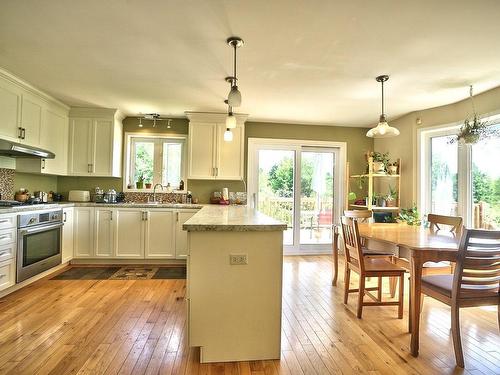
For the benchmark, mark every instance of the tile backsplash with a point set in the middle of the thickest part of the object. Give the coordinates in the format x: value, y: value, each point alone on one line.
x: 160, y: 197
x: 7, y: 183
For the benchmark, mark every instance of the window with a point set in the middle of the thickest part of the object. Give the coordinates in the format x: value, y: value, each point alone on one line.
x: 157, y: 159
x: 458, y: 179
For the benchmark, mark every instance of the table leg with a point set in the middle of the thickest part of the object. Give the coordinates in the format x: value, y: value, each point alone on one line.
x: 416, y: 280
x: 335, y: 248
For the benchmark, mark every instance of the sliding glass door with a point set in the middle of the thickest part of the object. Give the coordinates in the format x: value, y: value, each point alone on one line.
x: 298, y: 183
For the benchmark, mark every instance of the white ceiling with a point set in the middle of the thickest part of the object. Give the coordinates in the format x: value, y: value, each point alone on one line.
x: 303, y: 61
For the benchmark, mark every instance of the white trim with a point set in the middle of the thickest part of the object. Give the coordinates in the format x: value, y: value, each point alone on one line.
x: 298, y: 145
x: 214, y: 117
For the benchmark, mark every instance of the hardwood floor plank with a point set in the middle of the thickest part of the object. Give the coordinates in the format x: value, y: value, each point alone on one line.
x: 98, y: 327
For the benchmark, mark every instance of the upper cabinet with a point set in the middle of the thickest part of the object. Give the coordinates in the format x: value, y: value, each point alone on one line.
x: 210, y: 157
x: 95, y: 142
x: 10, y: 110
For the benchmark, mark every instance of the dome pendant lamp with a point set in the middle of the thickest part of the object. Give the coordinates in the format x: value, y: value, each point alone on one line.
x: 382, y: 130
x: 234, y: 96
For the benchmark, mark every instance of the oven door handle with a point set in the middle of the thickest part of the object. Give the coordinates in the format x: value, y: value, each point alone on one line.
x: 40, y: 229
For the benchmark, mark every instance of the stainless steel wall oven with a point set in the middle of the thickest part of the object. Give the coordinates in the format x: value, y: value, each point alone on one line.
x: 39, y: 241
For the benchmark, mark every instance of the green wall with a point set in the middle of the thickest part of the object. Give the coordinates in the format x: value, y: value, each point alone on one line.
x: 357, y: 145
x: 35, y: 182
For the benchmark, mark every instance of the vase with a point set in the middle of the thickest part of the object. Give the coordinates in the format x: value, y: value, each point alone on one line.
x: 139, y: 185
x: 392, y: 169
x: 378, y: 167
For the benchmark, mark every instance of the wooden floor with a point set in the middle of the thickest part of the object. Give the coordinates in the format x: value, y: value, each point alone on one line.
x: 138, y: 327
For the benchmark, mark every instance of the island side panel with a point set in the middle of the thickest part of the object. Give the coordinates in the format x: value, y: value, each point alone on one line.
x: 234, y: 311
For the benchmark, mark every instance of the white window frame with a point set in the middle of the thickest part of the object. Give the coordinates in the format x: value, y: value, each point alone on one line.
x: 128, y: 157
x: 340, y: 150
x: 464, y: 168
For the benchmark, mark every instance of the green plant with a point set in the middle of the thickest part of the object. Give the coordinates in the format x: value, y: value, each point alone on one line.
x: 352, y: 196
x: 392, y: 195
x: 140, y: 178
x: 380, y: 157
x: 410, y: 215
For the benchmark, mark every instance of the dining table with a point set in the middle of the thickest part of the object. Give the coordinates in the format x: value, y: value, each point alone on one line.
x: 418, y: 245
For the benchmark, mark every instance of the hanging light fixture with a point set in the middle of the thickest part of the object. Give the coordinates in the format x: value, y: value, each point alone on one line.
x: 231, y: 118
x: 169, y: 124
x: 140, y: 122
x: 382, y: 130
x: 234, y: 96
x: 228, y: 135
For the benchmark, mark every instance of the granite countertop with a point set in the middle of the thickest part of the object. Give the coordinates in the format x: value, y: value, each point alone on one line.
x: 232, y: 218
x: 41, y: 207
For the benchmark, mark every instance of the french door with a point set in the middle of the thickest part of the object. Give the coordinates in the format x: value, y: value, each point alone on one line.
x: 299, y: 183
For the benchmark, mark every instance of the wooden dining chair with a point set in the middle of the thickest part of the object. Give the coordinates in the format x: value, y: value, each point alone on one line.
x: 475, y: 282
x: 365, y: 267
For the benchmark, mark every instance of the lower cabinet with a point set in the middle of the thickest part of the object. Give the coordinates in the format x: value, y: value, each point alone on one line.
x: 159, y: 234
x: 83, y: 234
x: 68, y: 234
x: 181, y: 247
x: 103, y: 233
x: 130, y: 233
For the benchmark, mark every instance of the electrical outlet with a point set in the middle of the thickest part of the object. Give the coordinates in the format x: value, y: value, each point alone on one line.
x: 238, y: 259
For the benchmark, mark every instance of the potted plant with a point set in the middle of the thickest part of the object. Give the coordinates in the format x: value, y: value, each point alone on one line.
x: 380, y: 160
x: 139, y: 184
x: 148, y: 185
x: 410, y: 215
x: 392, y: 167
x: 391, y: 198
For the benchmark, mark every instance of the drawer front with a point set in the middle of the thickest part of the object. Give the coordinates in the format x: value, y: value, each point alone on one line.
x: 7, y: 252
x: 7, y: 236
x: 7, y: 274
x: 8, y: 221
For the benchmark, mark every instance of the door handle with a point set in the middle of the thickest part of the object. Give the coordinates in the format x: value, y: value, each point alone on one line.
x: 3, y: 253
x: 4, y: 221
x: 4, y: 237
x: 111, y: 213
x: 177, y: 216
x: 23, y: 133
x: 43, y: 163
x: 65, y: 216
x: 20, y: 133
x: 2, y: 275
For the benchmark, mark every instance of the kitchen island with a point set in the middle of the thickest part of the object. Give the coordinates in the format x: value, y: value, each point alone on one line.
x: 234, y: 284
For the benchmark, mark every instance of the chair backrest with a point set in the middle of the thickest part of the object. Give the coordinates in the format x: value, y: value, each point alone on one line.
x: 454, y: 222
x: 352, y: 243
x: 478, y: 264
x: 362, y: 215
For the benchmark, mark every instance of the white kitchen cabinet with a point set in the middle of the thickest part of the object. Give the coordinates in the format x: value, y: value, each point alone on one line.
x: 95, y: 142
x: 10, y: 110
x: 54, y: 130
x: 210, y: 157
x: 67, y: 234
x: 31, y: 119
x: 181, y: 246
x: 159, y: 234
x: 129, y: 233
x: 84, y: 232
x: 7, y: 274
x: 103, y: 232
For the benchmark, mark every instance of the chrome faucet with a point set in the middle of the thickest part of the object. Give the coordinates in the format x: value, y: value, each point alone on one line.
x: 154, y: 191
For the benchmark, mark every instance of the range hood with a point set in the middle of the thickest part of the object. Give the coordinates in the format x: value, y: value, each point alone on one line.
x: 18, y: 150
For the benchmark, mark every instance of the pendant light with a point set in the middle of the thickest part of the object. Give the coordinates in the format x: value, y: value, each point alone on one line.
x: 140, y: 122
x: 228, y: 135
x: 234, y: 96
x: 382, y: 130
x: 231, y: 118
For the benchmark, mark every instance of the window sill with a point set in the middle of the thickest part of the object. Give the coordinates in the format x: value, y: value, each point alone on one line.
x: 150, y: 191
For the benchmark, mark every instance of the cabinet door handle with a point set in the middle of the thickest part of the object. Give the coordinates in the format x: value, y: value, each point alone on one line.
x: 89, y: 170
x: 4, y: 237
x: 111, y: 213
x: 3, y: 253
x: 23, y: 133
x: 92, y: 169
x: 2, y: 275
x: 43, y: 163
x: 176, y: 216
x: 4, y: 221
x: 65, y: 217
x: 216, y: 171
x: 20, y: 133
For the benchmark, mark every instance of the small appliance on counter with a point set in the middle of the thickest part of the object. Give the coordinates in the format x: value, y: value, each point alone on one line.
x: 42, y: 196
x: 57, y: 197
x: 79, y: 196
x: 98, y: 195
x: 110, y: 196
x: 22, y: 195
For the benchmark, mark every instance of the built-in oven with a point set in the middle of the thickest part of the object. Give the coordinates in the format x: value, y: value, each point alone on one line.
x: 39, y: 241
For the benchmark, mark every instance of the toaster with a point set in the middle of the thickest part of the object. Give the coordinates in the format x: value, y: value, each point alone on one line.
x: 79, y: 196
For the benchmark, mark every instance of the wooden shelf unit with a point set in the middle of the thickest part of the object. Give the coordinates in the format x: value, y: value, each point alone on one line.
x: 371, y: 176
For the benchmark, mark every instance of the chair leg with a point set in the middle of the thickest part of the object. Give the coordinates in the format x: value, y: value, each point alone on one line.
x: 401, y: 296
x: 392, y: 286
x: 455, y: 332
x: 347, y: 279
x: 379, y: 294
x: 361, y: 295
